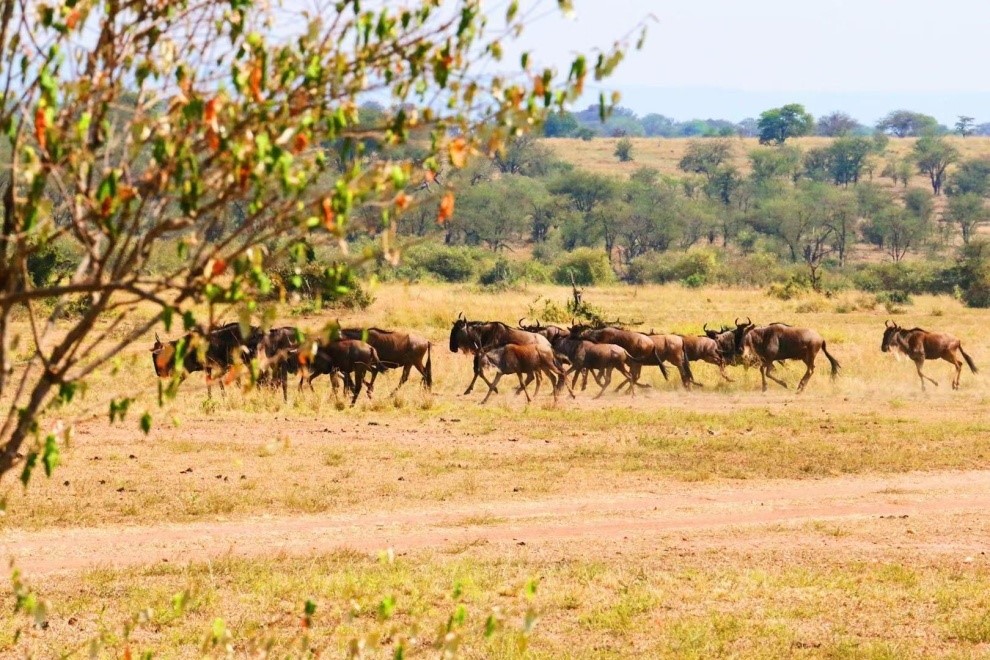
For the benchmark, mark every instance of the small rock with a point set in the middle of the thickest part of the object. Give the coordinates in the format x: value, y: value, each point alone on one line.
x: 65, y: 483
x: 132, y: 456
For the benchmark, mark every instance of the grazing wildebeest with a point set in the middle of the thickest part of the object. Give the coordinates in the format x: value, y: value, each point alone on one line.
x: 639, y: 346
x: 224, y: 348
x: 778, y: 342
x: 706, y: 349
x: 586, y: 356
x: 277, y: 357
x: 481, y: 336
x: 528, y: 360
x: 670, y: 348
x: 921, y: 345
x: 397, y: 349
x: 351, y: 357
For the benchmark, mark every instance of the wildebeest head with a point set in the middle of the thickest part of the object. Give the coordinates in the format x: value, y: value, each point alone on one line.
x: 459, y: 336
x: 163, y: 357
x: 740, y: 332
x: 889, y: 333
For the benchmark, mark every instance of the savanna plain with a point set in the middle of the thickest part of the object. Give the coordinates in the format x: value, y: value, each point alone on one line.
x: 847, y: 521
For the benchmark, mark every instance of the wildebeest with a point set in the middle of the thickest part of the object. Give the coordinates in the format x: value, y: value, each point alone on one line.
x: 778, y: 342
x: 706, y: 349
x: 670, y: 348
x: 725, y: 342
x: 549, y: 331
x: 224, y: 348
x: 277, y: 356
x: 921, y: 345
x: 351, y: 357
x: 586, y: 356
x: 528, y: 360
x: 639, y: 346
x: 481, y: 336
x: 397, y: 349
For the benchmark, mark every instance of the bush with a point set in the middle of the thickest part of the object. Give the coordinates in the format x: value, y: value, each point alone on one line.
x: 795, y: 287
x: 589, y: 267
x: 974, y: 274
x: 51, y: 262
x: 623, y: 150
x: 442, y: 262
x: 693, y: 268
x: 903, y: 278
x: 319, y: 285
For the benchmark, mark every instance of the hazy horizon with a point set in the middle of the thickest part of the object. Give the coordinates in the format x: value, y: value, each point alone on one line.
x: 731, y: 60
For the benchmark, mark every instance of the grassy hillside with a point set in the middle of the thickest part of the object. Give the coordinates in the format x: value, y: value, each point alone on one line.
x: 597, y: 155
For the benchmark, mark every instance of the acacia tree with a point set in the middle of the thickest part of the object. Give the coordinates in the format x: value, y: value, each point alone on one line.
x: 933, y: 155
x: 130, y: 122
x: 778, y: 124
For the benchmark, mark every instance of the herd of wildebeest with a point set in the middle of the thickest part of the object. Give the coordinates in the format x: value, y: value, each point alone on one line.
x: 529, y: 351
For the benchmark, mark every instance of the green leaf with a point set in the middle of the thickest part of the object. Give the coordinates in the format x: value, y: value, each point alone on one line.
x: 50, y: 457
x: 29, y: 462
x: 146, y: 423
x: 387, y: 607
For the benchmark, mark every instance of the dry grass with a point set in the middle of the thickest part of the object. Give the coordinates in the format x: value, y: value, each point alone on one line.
x: 652, y: 597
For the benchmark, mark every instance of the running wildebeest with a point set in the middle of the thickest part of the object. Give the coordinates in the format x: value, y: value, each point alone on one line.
x: 548, y: 331
x: 351, y: 357
x: 725, y: 342
x: 586, y: 356
x: 670, y: 348
x: 397, y: 349
x: 921, y: 345
x: 224, y: 348
x: 778, y: 342
x: 639, y: 346
x: 521, y: 359
x: 478, y: 337
x: 704, y: 349
x: 278, y: 356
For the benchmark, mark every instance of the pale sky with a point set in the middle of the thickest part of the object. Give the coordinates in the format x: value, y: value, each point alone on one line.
x: 868, y: 54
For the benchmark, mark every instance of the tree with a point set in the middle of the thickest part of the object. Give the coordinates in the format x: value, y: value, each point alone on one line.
x: 560, y: 124
x: 847, y: 157
x: 933, y: 155
x: 778, y: 124
x: 971, y: 177
x: 898, y: 229
x: 905, y: 123
x: 151, y: 121
x: 968, y: 211
x: 496, y: 213
x: 655, y: 125
x: 783, y: 162
x: 624, y: 150
x: 964, y: 126
x: 837, y: 124
x: 587, y: 192
x: 706, y: 156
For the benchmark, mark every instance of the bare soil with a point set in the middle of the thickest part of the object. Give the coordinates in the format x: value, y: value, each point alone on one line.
x: 716, y: 510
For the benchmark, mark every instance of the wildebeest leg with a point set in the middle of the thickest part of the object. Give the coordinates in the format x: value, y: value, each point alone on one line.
x: 919, y: 362
x: 766, y: 369
x: 721, y: 370
x: 951, y: 358
x: 608, y: 381
x: 492, y: 386
x: 522, y: 385
x: 405, y: 376
x: 807, y: 374
x: 624, y: 370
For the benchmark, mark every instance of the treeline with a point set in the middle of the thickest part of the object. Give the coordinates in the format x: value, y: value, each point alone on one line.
x: 816, y: 213
x: 623, y: 122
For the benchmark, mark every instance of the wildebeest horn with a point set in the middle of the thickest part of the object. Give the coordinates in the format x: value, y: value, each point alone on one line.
x: 157, y: 340
x: 704, y: 328
x: 460, y: 316
x: 888, y: 324
x: 748, y: 321
x: 538, y: 323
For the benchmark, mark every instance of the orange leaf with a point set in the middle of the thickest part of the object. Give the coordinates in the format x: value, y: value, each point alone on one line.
x: 402, y: 201
x: 40, y: 124
x: 72, y: 19
x: 329, y: 218
x: 243, y: 176
x: 210, y: 113
x: 458, y: 150
x: 300, y: 142
x: 446, y: 208
x: 213, y: 140
x: 430, y: 176
x: 219, y: 265
x: 254, y: 80
x: 127, y: 653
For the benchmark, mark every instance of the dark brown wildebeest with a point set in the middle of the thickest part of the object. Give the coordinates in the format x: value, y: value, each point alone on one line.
x: 586, y: 356
x: 215, y: 352
x: 478, y: 337
x: 398, y: 349
x: 639, y: 346
x: 351, y: 357
x: 670, y: 348
x: 278, y: 356
x: 778, y: 342
x: 725, y: 341
x: 706, y: 349
x: 921, y: 345
x: 528, y: 360
x: 549, y: 331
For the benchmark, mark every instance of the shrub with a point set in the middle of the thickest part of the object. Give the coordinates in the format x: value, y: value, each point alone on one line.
x: 905, y: 278
x: 974, y: 274
x: 445, y: 263
x: 321, y: 286
x: 51, y: 262
x: 693, y: 268
x: 795, y: 287
x: 588, y: 266
x: 623, y: 150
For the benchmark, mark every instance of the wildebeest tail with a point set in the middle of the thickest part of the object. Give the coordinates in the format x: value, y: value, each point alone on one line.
x: 429, y: 366
x: 969, y: 360
x: 663, y: 369
x: 831, y: 360
x: 686, y: 368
